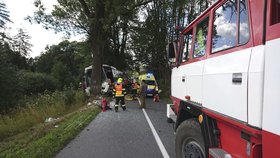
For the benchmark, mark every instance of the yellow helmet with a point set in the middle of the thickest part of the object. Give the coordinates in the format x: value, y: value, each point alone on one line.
x: 119, y: 80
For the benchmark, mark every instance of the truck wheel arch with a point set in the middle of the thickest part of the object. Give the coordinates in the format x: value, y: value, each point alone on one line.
x: 188, y: 140
x: 208, y: 132
x: 186, y: 111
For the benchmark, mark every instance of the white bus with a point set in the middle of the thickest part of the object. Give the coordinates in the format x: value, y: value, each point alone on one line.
x: 108, y: 75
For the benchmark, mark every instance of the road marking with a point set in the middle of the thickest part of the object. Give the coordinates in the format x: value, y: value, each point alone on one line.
x: 157, y: 138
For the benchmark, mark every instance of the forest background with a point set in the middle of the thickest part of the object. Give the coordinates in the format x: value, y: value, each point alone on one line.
x: 121, y: 33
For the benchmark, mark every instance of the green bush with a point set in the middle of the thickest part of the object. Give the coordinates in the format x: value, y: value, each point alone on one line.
x: 69, y: 97
x: 80, y: 96
x: 34, y: 83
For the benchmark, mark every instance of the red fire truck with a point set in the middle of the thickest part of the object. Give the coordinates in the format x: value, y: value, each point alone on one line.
x: 226, y: 82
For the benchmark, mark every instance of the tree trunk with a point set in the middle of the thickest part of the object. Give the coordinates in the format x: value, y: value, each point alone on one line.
x: 97, y: 50
x: 97, y: 41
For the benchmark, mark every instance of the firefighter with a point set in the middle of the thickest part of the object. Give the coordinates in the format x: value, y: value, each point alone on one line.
x: 142, y: 94
x: 119, y: 93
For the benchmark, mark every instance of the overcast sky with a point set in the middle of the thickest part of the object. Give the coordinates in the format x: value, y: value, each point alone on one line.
x: 40, y: 37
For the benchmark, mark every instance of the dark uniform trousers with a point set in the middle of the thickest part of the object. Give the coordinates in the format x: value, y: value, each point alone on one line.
x: 120, y: 101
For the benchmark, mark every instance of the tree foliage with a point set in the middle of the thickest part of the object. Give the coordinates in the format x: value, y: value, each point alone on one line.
x: 9, y: 89
x: 65, y: 62
x: 150, y: 36
x: 94, y: 19
x: 4, y: 18
x: 33, y: 83
x: 59, y: 66
x: 116, y: 33
x: 4, y: 15
x: 124, y: 33
x: 21, y: 43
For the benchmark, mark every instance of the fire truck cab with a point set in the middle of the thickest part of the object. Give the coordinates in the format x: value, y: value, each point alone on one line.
x: 225, y: 82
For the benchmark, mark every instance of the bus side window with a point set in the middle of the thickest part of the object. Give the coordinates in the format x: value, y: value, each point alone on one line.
x: 187, y: 46
x: 201, y: 38
x: 275, y: 12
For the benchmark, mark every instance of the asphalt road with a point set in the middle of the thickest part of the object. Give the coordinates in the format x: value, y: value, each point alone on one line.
x: 125, y: 134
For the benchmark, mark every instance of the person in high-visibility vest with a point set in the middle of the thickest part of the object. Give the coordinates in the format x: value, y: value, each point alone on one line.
x: 119, y: 93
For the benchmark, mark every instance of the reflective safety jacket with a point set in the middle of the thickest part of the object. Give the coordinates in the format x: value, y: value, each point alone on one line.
x: 119, y: 90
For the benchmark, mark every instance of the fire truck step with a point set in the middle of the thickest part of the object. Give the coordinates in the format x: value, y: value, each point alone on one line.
x: 219, y: 153
x: 171, y: 116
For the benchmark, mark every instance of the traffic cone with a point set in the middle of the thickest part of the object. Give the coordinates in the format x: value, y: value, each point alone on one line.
x: 156, y: 98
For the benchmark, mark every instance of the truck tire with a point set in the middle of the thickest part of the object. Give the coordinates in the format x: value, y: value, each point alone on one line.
x: 189, y: 141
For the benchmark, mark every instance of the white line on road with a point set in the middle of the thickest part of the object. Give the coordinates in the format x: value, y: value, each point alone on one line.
x: 159, y: 142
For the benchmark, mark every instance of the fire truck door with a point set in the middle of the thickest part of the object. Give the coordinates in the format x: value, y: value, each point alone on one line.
x: 178, y: 83
x: 193, y: 77
x: 225, y: 84
x: 271, y: 108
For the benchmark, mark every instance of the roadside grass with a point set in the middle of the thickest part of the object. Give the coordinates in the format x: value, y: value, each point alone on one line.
x: 38, y: 109
x: 45, y: 140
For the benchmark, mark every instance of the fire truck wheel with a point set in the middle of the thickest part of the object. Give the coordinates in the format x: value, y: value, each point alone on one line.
x: 189, y: 140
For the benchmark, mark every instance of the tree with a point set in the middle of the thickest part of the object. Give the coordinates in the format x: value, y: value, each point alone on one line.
x: 21, y: 43
x: 181, y: 13
x: 65, y: 61
x: 93, y: 18
x: 14, y: 58
x: 150, y: 37
x: 149, y: 40
x: 9, y: 88
x: 4, y: 18
x: 62, y: 74
x: 4, y: 15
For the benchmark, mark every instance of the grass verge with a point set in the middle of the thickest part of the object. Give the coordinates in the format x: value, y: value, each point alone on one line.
x: 37, y: 109
x: 45, y: 140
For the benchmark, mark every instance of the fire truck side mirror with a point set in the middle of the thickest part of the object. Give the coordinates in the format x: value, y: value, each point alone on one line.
x: 171, y: 53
